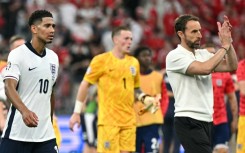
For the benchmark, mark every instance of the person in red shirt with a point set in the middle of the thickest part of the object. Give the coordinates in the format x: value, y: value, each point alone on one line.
x: 241, y: 123
x: 223, y: 87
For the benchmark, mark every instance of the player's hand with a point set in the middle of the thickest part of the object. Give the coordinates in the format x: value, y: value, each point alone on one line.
x: 225, y: 32
x: 155, y: 101
x: 30, y: 118
x: 151, y: 104
x: 75, y: 119
x: 156, y: 104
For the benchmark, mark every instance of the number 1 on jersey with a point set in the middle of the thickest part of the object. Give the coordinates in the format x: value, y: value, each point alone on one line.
x: 124, y: 82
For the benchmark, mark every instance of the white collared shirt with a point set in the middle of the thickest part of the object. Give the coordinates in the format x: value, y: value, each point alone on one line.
x: 193, y: 93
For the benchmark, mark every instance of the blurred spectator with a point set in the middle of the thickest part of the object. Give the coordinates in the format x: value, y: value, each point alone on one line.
x: 68, y: 13
x: 168, y: 20
x: 81, y: 30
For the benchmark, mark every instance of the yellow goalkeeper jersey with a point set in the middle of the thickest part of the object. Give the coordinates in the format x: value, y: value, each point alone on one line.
x: 116, y: 80
x: 152, y: 85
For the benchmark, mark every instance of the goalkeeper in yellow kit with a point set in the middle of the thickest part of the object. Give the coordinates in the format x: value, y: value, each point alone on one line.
x: 116, y: 74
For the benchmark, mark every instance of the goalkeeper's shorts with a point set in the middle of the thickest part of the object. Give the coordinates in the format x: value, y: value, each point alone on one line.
x: 113, y: 139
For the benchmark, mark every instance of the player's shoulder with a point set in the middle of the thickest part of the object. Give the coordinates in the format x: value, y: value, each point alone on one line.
x: 102, y: 56
x: 19, y: 51
x: 131, y: 58
x: 174, y: 53
x: 51, y: 52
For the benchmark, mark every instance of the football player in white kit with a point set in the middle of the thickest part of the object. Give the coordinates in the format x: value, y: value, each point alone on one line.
x: 30, y: 76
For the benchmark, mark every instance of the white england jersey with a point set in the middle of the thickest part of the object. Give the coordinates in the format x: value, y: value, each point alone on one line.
x: 36, y: 75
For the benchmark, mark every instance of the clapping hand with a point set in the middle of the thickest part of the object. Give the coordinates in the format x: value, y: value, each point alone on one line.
x: 225, y: 32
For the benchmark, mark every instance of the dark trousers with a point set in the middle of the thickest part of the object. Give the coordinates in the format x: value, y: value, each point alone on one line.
x: 13, y: 146
x: 195, y: 136
x: 169, y: 136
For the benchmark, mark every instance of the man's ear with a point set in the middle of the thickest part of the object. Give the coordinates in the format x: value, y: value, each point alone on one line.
x: 34, y: 29
x: 180, y: 34
x: 115, y: 39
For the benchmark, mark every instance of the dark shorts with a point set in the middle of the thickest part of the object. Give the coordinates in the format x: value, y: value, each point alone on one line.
x: 194, y: 135
x: 221, y: 134
x: 147, y: 136
x: 12, y: 146
x: 89, y: 129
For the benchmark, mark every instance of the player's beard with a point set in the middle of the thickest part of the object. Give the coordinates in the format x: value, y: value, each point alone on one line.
x: 193, y: 45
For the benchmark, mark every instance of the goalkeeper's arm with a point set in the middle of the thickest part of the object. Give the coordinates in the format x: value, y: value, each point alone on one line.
x: 81, y: 97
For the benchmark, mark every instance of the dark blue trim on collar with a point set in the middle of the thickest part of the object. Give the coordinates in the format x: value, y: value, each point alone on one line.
x: 28, y: 45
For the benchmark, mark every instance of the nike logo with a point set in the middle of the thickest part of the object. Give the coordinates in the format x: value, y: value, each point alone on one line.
x: 30, y: 69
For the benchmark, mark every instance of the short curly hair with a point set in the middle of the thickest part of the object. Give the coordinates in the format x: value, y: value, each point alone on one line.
x: 38, y: 15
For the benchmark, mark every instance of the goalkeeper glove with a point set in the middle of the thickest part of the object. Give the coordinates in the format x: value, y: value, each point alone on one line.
x: 151, y: 103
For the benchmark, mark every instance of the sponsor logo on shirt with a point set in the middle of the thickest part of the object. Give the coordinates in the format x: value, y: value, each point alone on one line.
x: 30, y: 69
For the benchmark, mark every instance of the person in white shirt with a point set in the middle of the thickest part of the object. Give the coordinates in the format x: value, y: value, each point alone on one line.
x: 30, y: 76
x: 189, y: 71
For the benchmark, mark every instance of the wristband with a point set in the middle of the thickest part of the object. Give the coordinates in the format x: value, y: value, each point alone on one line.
x: 78, y: 107
x: 224, y: 49
x: 142, y: 96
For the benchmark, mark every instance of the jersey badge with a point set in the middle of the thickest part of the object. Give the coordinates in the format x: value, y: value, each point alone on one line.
x: 53, y: 70
x: 133, y: 70
x: 107, y: 145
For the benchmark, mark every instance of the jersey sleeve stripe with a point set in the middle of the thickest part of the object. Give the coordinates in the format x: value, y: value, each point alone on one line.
x: 11, y: 77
